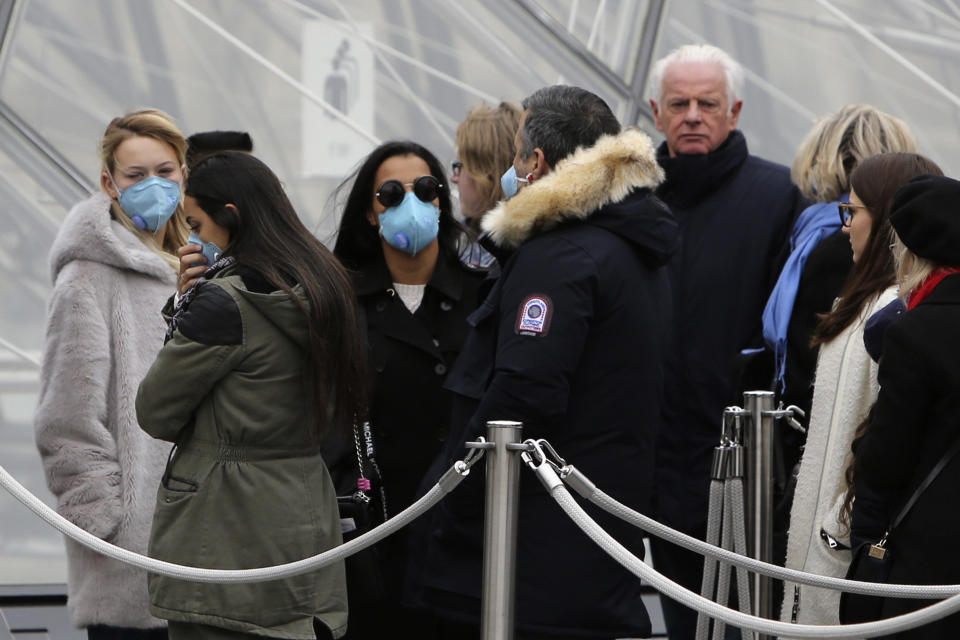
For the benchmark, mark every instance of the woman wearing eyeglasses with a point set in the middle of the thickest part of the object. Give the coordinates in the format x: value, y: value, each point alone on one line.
x: 845, y: 385
x: 399, y: 237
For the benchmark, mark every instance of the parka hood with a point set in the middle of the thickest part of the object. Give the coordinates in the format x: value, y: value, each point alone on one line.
x: 607, y: 185
x: 283, y: 311
x: 89, y: 233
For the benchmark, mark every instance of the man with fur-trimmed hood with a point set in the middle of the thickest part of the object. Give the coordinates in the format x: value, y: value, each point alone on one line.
x: 568, y: 342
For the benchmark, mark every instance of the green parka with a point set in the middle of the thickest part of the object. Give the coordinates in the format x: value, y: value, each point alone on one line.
x: 245, y: 486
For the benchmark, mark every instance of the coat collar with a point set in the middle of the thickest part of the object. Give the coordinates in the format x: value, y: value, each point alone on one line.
x: 375, y: 277
x: 89, y: 233
x: 578, y: 186
x: 692, y: 177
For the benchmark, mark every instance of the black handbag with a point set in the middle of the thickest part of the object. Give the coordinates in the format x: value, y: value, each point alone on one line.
x: 361, y: 511
x: 872, y: 562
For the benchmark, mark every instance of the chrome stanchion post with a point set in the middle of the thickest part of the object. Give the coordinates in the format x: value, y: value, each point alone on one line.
x: 758, y: 484
x: 500, y: 531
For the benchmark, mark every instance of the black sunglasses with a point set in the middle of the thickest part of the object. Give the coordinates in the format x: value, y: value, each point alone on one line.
x: 392, y: 192
x: 456, y: 167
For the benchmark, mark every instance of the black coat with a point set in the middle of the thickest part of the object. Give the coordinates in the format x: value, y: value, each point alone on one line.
x: 735, y: 213
x: 584, y: 372
x: 915, y: 420
x: 824, y: 273
x: 408, y: 356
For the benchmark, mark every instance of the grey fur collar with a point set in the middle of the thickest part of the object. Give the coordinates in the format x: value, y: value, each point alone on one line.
x: 578, y: 186
x: 88, y: 233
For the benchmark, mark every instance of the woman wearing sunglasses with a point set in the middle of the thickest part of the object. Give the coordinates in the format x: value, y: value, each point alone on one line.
x: 845, y: 387
x: 399, y: 237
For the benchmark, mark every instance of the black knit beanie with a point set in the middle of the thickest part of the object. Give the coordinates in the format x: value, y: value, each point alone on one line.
x: 926, y: 216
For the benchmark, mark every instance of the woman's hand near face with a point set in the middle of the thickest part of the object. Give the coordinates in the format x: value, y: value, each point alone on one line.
x: 192, y: 266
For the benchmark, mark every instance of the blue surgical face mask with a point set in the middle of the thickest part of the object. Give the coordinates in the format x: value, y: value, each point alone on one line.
x: 509, y: 182
x: 411, y: 225
x: 150, y: 202
x: 210, y: 251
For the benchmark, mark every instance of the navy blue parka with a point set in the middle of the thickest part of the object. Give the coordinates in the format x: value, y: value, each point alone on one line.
x: 569, y: 341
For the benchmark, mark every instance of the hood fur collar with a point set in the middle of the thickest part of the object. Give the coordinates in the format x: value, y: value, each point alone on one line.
x: 578, y: 186
x: 89, y: 233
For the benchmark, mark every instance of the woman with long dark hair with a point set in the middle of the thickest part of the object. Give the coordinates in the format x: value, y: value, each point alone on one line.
x: 399, y: 237
x: 263, y: 359
x: 845, y: 385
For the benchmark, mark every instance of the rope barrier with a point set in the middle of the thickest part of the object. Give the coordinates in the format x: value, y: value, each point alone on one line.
x: 444, y: 485
x: 584, y: 487
x: 551, y: 481
x: 550, y: 473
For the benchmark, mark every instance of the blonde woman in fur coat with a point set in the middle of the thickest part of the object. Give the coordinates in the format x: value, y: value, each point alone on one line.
x: 845, y: 386
x: 114, y: 265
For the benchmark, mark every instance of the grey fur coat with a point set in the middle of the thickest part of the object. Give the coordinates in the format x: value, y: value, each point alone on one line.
x: 104, y: 329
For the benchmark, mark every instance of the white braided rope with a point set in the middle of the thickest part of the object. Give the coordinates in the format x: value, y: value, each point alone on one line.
x: 723, y: 574
x: 229, y: 576
x: 583, y: 486
x: 735, y: 486
x: 688, y: 598
x: 708, y: 582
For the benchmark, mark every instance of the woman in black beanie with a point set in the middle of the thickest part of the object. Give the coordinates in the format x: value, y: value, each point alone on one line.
x: 915, y: 423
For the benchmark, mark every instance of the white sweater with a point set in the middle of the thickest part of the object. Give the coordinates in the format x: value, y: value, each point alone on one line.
x: 104, y: 329
x: 844, y: 390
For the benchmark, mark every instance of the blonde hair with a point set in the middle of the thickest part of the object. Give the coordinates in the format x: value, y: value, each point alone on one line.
x: 912, y: 270
x: 485, y: 147
x: 150, y: 123
x: 838, y: 142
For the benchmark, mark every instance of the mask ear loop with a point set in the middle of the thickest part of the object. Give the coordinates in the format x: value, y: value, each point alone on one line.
x: 114, y: 183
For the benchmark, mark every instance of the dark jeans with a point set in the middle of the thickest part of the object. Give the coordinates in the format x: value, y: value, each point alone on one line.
x: 103, y: 632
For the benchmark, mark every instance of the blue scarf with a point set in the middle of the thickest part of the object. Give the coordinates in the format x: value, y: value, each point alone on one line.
x: 815, y: 223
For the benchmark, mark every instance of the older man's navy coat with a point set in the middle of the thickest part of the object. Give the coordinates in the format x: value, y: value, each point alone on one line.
x: 735, y: 213
x: 582, y: 370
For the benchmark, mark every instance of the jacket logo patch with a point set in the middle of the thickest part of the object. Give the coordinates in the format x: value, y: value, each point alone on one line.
x: 534, y: 316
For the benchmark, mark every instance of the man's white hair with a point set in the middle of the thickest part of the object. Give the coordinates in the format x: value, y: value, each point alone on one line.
x: 699, y: 53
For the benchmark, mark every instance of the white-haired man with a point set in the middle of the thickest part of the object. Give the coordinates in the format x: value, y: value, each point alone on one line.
x: 735, y: 213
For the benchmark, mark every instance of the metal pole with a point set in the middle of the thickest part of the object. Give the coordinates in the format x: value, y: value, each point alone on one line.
x: 758, y: 443
x: 500, y: 531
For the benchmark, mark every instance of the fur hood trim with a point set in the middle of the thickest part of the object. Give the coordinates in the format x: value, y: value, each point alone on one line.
x: 89, y: 233
x: 578, y: 186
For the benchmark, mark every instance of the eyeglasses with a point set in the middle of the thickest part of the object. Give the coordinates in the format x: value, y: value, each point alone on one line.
x: 392, y: 192
x: 455, y: 168
x: 847, y: 211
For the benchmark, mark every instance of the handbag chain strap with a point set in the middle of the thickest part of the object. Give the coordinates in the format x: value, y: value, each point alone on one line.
x: 363, y: 483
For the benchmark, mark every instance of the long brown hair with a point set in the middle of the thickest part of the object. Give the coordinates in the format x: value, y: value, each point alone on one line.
x: 846, y: 509
x: 875, y: 181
